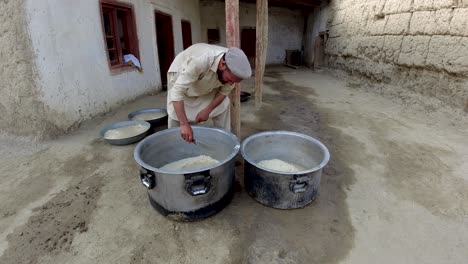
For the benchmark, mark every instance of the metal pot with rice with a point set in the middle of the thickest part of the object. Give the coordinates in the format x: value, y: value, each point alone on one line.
x: 188, y: 182
x: 155, y: 116
x: 126, y: 132
x: 283, y: 169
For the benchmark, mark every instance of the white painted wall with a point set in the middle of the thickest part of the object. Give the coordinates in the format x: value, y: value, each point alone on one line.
x: 285, y: 26
x: 181, y: 10
x: 70, y: 55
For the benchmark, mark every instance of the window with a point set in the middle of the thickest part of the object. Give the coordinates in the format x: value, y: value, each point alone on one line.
x: 119, y: 32
x: 213, y: 36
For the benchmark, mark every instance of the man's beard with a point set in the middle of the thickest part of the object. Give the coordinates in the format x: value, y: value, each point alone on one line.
x: 220, y: 76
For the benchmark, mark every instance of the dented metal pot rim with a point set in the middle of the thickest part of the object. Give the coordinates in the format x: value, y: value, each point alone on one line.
x: 140, y: 162
x: 322, y: 164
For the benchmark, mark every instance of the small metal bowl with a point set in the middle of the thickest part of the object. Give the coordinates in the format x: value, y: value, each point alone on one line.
x: 129, y: 140
x: 154, y: 122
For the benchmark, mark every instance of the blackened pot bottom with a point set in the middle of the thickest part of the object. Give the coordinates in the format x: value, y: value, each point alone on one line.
x: 198, y: 214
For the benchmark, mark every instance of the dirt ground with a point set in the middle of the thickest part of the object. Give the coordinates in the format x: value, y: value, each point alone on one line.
x: 395, y: 190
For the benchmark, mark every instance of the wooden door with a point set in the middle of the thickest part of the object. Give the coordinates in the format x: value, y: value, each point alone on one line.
x: 165, y: 42
x: 186, y: 33
x: 319, y: 52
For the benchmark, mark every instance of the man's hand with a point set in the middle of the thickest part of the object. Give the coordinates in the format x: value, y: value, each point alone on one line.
x: 202, y: 116
x: 186, y: 133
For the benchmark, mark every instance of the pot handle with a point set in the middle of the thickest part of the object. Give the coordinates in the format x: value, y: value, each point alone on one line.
x: 299, y: 184
x: 198, y: 184
x: 147, y: 178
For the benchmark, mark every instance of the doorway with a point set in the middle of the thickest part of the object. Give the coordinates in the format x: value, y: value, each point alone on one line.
x: 319, y: 51
x: 165, y: 42
x: 186, y: 34
x: 248, y: 45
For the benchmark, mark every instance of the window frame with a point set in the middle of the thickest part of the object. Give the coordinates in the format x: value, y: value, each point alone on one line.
x: 130, y: 35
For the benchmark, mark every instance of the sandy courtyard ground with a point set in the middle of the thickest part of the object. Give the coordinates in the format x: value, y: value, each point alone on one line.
x: 395, y: 190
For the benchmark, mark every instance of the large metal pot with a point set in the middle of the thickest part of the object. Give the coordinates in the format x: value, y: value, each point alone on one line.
x: 283, y: 190
x: 194, y: 194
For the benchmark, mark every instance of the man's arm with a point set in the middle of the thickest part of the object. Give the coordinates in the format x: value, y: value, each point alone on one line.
x: 224, y: 91
x: 185, y: 129
x: 205, y: 113
x: 176, y: 95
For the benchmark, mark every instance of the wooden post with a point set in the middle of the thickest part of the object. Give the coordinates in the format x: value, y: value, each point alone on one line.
x: 233, y: 40
x: 261, y: 48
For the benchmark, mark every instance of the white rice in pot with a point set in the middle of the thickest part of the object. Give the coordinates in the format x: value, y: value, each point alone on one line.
x: 125, y: 132
x: 280, y: 165
x: 191, y: 163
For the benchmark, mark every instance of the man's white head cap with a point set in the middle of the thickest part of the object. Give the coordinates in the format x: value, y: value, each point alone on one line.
x: 238, y: 64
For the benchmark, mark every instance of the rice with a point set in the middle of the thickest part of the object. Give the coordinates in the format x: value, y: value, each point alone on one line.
x: 191, y: 163
x: 125, y: 132
x: 280, y: 165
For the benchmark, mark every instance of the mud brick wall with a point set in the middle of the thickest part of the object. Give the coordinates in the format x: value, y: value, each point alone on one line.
x: 420, y: 46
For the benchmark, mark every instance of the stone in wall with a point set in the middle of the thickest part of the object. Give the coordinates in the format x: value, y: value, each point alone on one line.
x: 391, y: 48
x: 442, y: 22
x: 449, y: 53
x: 339, y: 31
x: 375, y: 71
x: 431, y: 22
x: 397, y: 6
x: 354, y: 28
x: 335, y: 46
x: 376, y: 6
x: 371, y: 47
x: 338, y: 17
x: 376, y: 26
x: 331, y: 47
x: 420, y: 21
x: 442, y: 86
x: 414, y: 51
x: 439, y: 4
x: 358, y: 66
x: 359, y: 13
x: 433, y: 4
x: 351, y: 50
x: 355, y: 17
x: 459, y: 22
x: 422, y: 4
x: 397, y: 24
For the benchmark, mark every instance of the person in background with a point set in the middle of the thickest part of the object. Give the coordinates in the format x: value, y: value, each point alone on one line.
x: 199, y: 81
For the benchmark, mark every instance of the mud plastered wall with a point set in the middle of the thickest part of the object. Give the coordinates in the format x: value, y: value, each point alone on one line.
x: 21, y: 112
x: 408, y: 46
